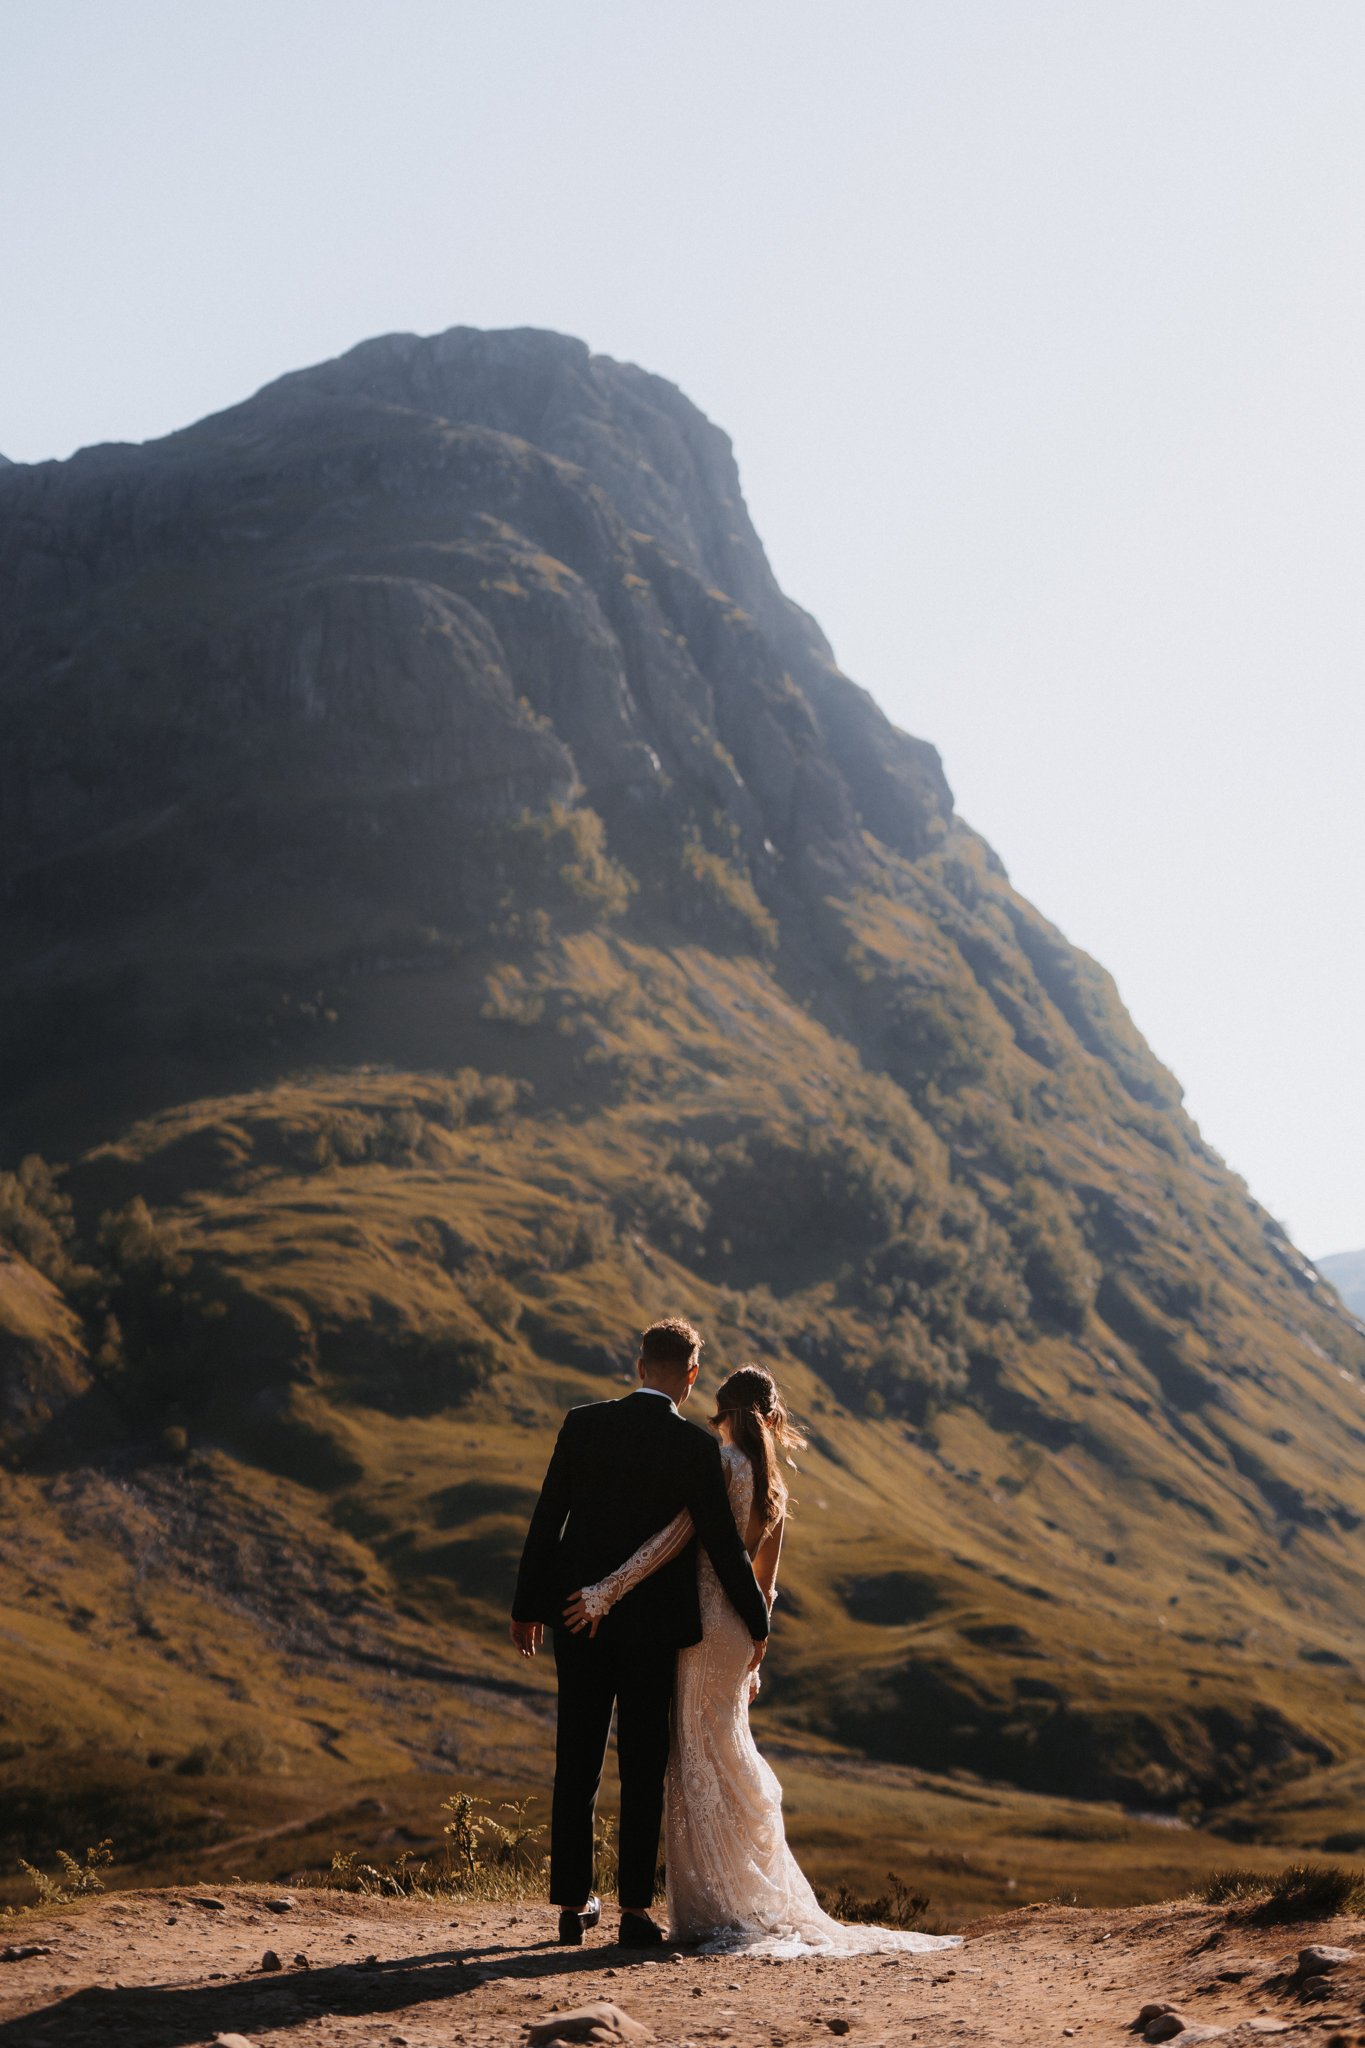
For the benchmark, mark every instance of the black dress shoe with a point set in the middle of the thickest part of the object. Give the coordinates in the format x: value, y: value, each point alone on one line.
x: 574, y: 1925
x: 639, y: 1931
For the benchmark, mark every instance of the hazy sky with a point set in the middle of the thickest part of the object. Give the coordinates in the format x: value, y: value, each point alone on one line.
x: 1039, y: 329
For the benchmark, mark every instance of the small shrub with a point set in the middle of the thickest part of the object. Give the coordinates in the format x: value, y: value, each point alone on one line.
x: 510, y: 1001
x: 900, y: 1907
x: 245, y: 1753
x: 476, y: 1840
x: 586, y: 871
x: 911, y: 1375
x: 490, y: 1854
x: 133, y: 1242
x: 77, y: 1880
x: 1228, y: 1887
x: 554, y: 1239
x: 1311, y: 1891
x: 720, y: 896
x: 166, y: 1329
x: 562, y: 858
x: 669, y: 1212
x: 1060, y: 1273
x: 575, y: 1237
x: 470, y: 1097
x: 496, y: 1301
x: 36, y: 1221
x: 940, y: 1037
x: 483, y: 1857
x: 779, y: 1192
x: 439, y: 1368
x: 401, y: 1138
x: 1300, y: 1892
x: 594, y: 1235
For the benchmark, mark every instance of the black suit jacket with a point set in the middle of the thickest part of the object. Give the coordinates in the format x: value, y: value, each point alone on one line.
x: 620, y: 1472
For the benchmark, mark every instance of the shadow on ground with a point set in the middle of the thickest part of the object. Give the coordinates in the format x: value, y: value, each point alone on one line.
x: 173, y: 2016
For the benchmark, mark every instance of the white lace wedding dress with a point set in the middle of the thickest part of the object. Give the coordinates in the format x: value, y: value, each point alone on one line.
x: 733, y: 1884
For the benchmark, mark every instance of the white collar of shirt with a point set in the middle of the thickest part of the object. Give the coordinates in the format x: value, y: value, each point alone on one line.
x: 661, y: 1394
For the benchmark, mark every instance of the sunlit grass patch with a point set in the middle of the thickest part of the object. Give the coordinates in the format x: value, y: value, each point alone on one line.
x: 76, y: 1878
x: 492, y: 1854
x: 898, y: 1907
x: 1301, y: 1891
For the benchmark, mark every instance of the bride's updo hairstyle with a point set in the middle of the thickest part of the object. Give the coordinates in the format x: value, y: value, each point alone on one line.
x: 761, y: 1427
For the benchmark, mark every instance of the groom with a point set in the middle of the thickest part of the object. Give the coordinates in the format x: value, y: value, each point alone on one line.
x: 620, y: 1472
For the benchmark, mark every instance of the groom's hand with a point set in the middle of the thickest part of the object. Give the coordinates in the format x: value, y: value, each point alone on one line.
x: 527, y: 1636
x: 760, y: 1652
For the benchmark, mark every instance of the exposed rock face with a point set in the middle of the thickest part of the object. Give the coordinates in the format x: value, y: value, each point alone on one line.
x: 384, y: 577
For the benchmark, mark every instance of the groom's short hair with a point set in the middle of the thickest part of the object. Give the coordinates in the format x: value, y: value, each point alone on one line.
x: 671, y: 1345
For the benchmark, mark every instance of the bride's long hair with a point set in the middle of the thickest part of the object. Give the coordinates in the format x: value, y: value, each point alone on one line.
x: 760, y: 1425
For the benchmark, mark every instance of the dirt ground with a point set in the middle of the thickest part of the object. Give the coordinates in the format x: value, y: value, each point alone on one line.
x: 181, y: 1968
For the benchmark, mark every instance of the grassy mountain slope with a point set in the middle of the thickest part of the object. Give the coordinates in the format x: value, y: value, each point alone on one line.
x: 455, y: 909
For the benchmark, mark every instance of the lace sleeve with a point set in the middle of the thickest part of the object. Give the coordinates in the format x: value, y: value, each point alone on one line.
x: 658, y: 1550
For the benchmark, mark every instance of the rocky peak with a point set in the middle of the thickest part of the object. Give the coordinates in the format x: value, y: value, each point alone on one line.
x: 559, y: 568
x: 668, y: 471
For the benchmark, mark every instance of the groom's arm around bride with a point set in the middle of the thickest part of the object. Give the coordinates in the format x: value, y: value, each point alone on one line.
x: 619, y: 1473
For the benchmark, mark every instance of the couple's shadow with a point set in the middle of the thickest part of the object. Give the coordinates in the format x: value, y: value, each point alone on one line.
x: 173, y: 2016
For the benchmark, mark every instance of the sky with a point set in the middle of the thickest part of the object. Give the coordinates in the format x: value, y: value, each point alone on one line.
x: 1038, y: 329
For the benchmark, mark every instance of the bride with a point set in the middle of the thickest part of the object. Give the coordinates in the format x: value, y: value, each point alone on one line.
x: 733, y: 1884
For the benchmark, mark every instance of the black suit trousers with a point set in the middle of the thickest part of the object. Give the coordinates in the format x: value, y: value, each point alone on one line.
x: 638, y: 1680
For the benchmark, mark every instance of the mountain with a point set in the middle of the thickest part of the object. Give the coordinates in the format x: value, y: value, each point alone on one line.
x: 1346, y: 1271
x: 454, y: 909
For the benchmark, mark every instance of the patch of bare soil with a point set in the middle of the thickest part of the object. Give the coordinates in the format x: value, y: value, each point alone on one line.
x: 188, y: 1968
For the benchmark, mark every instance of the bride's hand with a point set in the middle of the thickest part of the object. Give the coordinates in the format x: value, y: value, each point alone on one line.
x: 578, y: 1618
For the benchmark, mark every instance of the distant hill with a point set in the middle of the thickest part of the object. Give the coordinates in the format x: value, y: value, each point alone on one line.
x: 1346, y: 1271
x: 455, y: 908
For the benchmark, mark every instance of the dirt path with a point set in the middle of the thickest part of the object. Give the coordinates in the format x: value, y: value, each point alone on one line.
x: 178, y: 1969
